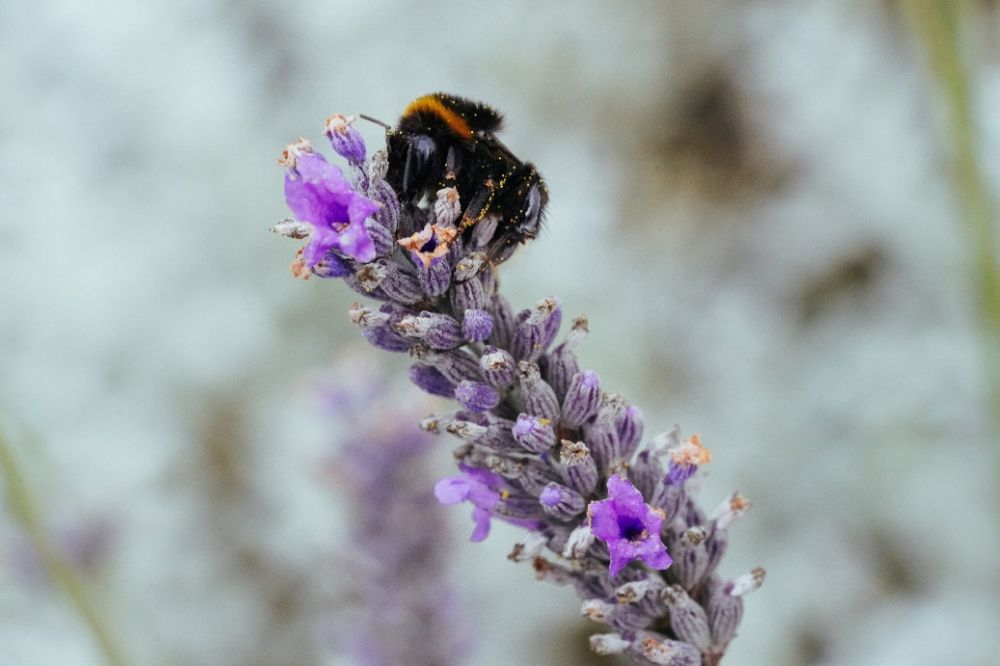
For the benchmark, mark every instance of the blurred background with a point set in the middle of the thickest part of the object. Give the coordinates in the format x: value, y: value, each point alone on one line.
x: 774, y: 214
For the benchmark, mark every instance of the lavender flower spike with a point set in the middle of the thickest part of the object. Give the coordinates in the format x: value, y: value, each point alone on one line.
x: 543, y: 445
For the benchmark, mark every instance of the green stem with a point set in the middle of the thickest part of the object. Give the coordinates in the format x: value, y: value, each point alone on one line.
x: 938, y: 24
x: 23, y: 508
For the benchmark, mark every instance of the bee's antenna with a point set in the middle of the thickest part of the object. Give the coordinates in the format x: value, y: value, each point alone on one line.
x: 373, y: 120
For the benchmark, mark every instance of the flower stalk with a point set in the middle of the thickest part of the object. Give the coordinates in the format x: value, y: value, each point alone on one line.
x: 23, y: 508
x: 938, y: 23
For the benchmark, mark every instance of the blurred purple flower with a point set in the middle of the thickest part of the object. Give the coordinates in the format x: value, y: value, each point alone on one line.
x: 403, y: 606
x: 479, y: 486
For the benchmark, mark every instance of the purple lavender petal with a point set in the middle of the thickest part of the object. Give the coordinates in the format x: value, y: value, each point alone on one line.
x: 629, y: 526
x: 317, y: 193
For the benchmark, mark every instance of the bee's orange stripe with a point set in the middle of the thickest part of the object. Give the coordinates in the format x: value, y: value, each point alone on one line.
x: 431, y: 104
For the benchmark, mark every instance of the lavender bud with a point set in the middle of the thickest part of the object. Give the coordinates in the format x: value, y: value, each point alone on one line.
x: 630, y: 428
x: 509, y: 468
x: 602, y: 435
x: 533, y: 433
x: 430, y: 424
x: 646, y: 473
x: 498, y: 368
x: 669, y: 498
x: 582, y: 398
x: 378, y: 166
x: 661, y: 651
x: 387, y: 339
x: 560, y: 368
x: 603, y: 441
x: 528, y: 548
x: 630, y: 618
x: 725, y: 612
x: 369, y: 277
x: 467, y: 294
x: 608, y: 644
x: 562, y: 362
x: 447, y: 207
x: 290, y: 228
x: 488, y: 278
x: 561, y: 503
x: 504, y: 323
x: 477, y: 325
x: 466, y: 430
x: 716, y: 545
x: 519, y: 507
x: 431, y: 380
x: 539, y: 398
x: 388, y: 214
x: 435, y: 277
x: 594, y: 583
x: 443, y: 333
x: 332, y: 266
x: 367, y: 318
x: 665, y: 442
x: 578, y: 467
x: 381, y: 237
x: 376, y: 329
x: 457, y: 365
x: 730, y: 510
x: 597, y: 610
x: 359, y: 177
x: 498, y: 438
x: 687, y: 618
x: 536, y: 330
x: 470, y: 266
x: 691, y: 557
x: 345, y: 140
x: 579, y: 542
x: 551, y: 572
x: 456, y: 253
x: 552, y: 322
x: 401, y: 286
x: 635, y: 591
x: 438, y: 331
x: 477, y: 397
x: 692, y: 514
x: 747, y: 583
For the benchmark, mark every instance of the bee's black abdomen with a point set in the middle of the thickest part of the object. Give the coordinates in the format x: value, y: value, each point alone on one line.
x: 523, y: 201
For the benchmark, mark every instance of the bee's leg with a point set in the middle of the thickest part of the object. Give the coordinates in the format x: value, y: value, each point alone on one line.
x: 502, y: 246
x: 478, y: 205
x: 451, y: 166
x: 522, y: 200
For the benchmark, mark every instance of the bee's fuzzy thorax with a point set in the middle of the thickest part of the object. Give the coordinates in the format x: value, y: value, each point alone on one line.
x: 449, y: 113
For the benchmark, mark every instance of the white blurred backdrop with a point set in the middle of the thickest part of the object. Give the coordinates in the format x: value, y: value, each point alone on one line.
x: 750, y: 201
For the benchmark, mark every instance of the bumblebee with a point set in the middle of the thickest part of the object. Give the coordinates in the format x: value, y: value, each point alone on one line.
x: 448, y: 141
